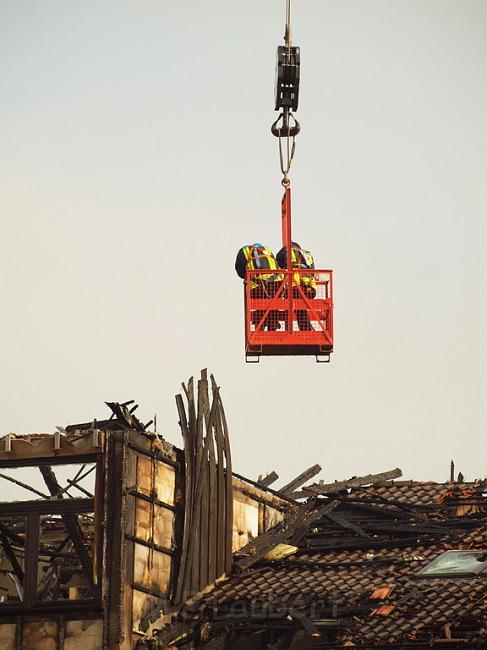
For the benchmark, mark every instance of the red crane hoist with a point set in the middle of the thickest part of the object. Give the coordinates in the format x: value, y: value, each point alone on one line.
x: 296, y: 317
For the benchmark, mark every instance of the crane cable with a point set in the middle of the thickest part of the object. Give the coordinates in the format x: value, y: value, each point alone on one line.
x: 289, y: 150
x: 287, y: 33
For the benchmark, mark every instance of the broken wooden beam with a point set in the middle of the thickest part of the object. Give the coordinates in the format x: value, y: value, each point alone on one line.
x: 23, y: 485
x: 261, y: 545
x: 359, y: 481
x: 341, y: 520
x: 11, y: 557
x: 125, y: 416
x: 206, y: 550
x: 71, y: 522
x: 268, y: 479
x: 296, y: 483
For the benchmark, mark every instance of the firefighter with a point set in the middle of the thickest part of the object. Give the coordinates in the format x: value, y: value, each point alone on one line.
x: 262, y: 285
x: 300, y: 259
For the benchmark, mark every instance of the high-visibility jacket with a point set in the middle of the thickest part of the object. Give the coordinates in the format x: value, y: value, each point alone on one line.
x: 261, y: 258
x: 303, y: 260
x: 300, y: 259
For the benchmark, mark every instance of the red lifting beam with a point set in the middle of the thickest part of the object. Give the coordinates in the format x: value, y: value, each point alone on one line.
x: 286, y: 242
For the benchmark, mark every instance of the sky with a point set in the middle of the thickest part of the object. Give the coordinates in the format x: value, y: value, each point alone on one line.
x: 136, y: 158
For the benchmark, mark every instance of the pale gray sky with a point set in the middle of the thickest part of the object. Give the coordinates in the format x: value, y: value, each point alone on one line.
x: 136, y: 158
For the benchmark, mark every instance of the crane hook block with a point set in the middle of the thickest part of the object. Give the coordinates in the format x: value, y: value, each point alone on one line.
x: 287, y: 78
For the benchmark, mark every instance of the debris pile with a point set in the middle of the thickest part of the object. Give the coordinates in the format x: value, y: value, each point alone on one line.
x: 347, y: 573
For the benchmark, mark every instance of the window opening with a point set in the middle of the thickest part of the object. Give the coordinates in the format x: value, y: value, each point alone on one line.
x: 22, y: 483
x: 47, y: 543
x: 64, y: 569
x: 456, y: 563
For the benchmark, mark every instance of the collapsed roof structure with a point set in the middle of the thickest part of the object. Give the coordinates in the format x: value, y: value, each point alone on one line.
x: 130, y: 542
x: 345, y: 570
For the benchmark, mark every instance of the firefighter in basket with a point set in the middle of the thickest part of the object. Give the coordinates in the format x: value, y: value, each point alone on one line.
x: 300, y: 259
x: 262, y: 285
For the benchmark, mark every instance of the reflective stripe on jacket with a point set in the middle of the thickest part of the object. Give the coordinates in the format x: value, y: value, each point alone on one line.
x: 261, y: 258
x: 302, y: 259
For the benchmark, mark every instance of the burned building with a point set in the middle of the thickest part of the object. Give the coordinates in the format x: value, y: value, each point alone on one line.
x: 88, y: 560
x: 130, y: 542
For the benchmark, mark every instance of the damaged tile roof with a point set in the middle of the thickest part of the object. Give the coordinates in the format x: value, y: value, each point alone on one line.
x: 352, y: 576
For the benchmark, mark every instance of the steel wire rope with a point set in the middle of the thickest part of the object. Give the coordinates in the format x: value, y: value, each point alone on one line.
x: 287, y: 34
x: 290, y: 149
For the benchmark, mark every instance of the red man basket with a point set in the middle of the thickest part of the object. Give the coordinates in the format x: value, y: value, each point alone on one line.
x: 292, y: 314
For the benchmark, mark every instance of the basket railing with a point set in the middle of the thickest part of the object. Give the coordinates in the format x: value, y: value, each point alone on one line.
x: 289, y: 307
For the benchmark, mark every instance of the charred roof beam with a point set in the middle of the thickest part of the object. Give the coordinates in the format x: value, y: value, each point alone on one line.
x: 71, y: 522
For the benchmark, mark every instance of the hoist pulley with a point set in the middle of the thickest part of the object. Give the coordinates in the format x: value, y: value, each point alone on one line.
x: 287, y: 83
x: 287, y: 90
x: 287, y: 78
